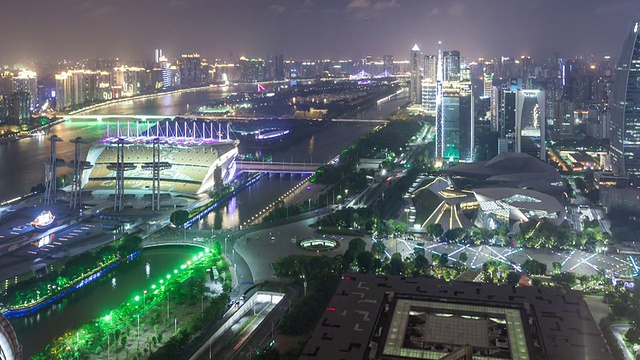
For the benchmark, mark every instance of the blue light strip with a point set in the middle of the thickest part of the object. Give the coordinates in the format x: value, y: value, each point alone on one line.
x: 26, y: 311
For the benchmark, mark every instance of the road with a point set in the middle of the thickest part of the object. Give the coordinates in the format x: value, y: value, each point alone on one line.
x: 618, y: 329
x: 242, y: 339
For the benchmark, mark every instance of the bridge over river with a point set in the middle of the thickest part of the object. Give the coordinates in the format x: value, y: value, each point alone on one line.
x: 277, y: 167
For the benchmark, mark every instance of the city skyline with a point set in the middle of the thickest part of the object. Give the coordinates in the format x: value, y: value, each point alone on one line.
x: 336, y: 28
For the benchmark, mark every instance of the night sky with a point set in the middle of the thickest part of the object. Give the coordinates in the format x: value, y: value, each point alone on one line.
x: 131, y: 29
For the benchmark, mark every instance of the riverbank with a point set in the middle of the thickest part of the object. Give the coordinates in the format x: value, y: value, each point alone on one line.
x: 178, y: 305
x: 23, y: 301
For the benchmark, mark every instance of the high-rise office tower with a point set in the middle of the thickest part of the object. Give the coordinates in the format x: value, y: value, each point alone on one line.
x: 190, y: 69
x: 167, y: 73
x: 457, y: 135
x: 507, y: 117
x: 279, y: 67
x: 415, y: 92
x: 387, y: 61
x: 496, y: 96
x: 27, y: 81
x: 451, y: 60
x: 429, y: 96
x: 430, y: 67
x: 19, y: 108
x: 254, y: 70
x: 488, y: 83
x: 6, y: 83
x: 439, y: 105
x: 158, y: 56
x: 625, y: 112
x: 531, y: 123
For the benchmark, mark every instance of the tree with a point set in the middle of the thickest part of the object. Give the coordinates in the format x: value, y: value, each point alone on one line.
x: 396, y: 265
x: 463, y: 257
x: 357, y: 245
x: 179, y: 217
x: 443, y: 259
x: 534, y: 267
x: 366, y: 262
x: 378, y: 249
x: 434, y: 230
x: 566, y: 280
x: 513, y: 278
x: 536, y: 282
x: 557, y: 267
x: 420, y: 266
x: 129, y: 244
x: 455, y: 235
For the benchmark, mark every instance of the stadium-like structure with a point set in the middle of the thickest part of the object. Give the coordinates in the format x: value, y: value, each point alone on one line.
x: 198, y: 159
x: 10, y: 348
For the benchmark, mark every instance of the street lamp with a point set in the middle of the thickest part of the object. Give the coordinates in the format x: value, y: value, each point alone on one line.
x: 108, y: 318
x: 138, y: 330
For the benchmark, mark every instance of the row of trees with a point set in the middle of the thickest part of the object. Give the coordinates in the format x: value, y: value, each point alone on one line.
x: 77, y: 267
x: 185, y: 289
x: 533, y: 234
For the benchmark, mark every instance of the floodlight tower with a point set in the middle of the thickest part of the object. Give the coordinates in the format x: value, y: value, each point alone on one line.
x: 50, y: 172
x: 156, y: 166
x: 119, y: 167
x: 78, y: 167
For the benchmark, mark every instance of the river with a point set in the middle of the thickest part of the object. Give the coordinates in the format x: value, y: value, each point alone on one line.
x: 22, y: 164
x: 23, y: 160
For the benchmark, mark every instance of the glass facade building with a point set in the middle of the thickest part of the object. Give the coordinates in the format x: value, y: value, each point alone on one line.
x: 416, y: 84
x: 625, y: 120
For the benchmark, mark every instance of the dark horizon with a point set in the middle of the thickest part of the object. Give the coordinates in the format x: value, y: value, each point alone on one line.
x: 312, y: 29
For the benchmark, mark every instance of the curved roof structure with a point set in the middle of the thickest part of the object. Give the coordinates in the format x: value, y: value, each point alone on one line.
x: 192, y: 164
x: 516, y: 170
x: 521, y: 204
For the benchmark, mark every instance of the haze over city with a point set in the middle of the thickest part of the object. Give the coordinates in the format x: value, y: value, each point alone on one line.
x: 307, y: 179
x: 130, y: 30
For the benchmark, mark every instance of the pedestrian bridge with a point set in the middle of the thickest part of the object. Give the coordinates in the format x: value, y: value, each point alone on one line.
x: 277, y: 167
x: 145, y: 118
x: 364, y: 121
x: 205, y: 244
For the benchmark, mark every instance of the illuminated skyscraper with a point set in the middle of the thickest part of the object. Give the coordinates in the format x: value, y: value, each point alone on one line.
x: 451, y: 63
x: 415, y: 91
x: 253, y: 70
x: 190, y: 68
x: 167, y: 73
x: 439, y: 105
x: 458, y: 121
x: 388, y: 64
x: 158, y: 56
x: 27, y: 81
x: 625, y: 113
x: 6, y: 83
x: 530, y: 123
x: 430, y: 67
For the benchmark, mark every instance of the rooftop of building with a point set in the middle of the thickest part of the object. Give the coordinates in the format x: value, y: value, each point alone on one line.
x: 518, y: 170
x: 373, y: 317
